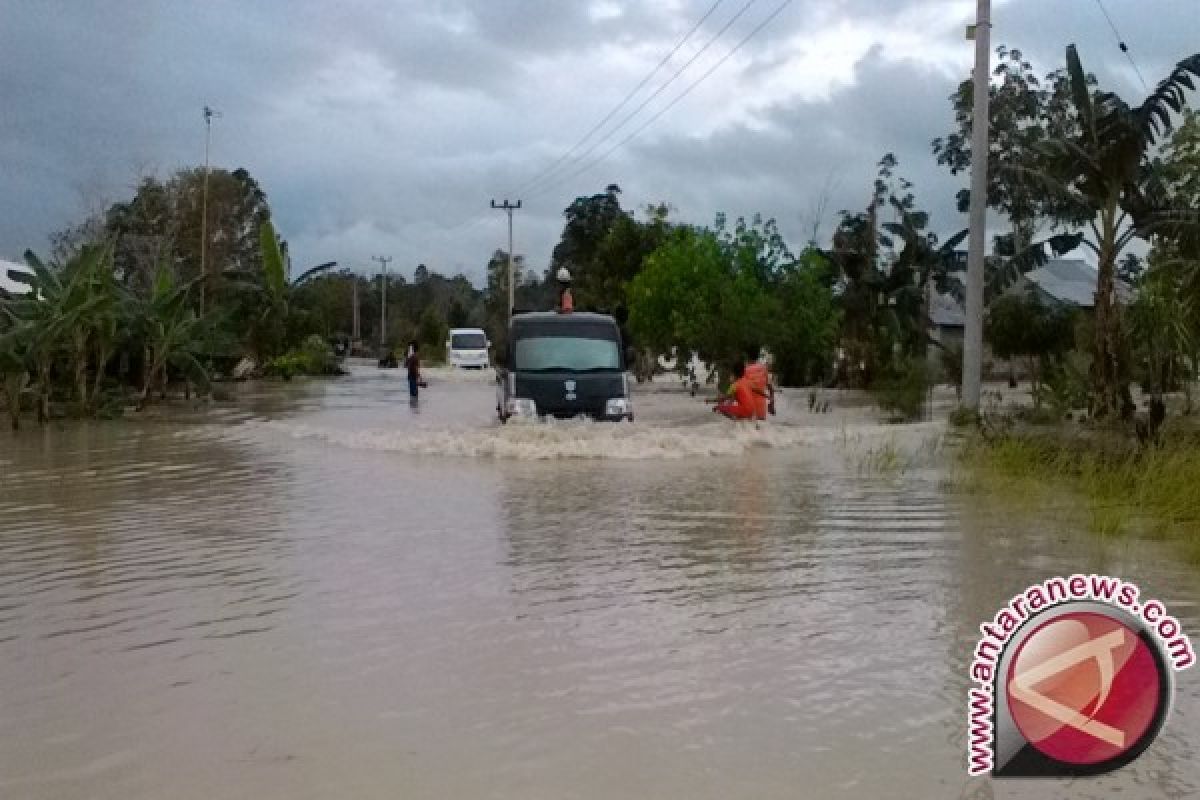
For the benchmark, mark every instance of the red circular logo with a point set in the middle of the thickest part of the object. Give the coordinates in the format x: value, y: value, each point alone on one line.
x: 1084, y: 688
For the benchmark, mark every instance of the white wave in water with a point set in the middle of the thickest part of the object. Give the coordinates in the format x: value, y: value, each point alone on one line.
x: 570, y: 439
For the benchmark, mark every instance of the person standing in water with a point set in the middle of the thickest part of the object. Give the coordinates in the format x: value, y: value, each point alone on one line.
x: 412, y: 363
x: 759, y: 378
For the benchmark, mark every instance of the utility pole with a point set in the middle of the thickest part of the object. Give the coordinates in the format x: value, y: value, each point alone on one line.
x: 509, y: 208
x: 383, y: 262
x: 356, y: 332
x: 977, y: 215
x: 209, y: 113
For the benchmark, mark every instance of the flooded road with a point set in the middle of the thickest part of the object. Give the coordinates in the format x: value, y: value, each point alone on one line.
x: 322, y: 592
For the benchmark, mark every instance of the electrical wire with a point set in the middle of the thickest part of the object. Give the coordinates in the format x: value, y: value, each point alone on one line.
x: 624, y: 101
x: 670, y: 105
x: 625, y: 120
x: 1121, y: 44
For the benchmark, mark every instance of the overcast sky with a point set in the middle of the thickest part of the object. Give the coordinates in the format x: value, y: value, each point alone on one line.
x: 386, y: 127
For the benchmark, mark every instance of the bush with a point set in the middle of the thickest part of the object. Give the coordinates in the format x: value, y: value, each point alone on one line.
x: 318, y: 356
x: 315, y: 356
x: 286, y: 366
x: 902, y: 389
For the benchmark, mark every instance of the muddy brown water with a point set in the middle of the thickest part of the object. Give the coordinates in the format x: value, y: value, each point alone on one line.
x: 321, y: 592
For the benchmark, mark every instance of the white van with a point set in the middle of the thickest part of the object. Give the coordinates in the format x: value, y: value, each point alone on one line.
x: 467, y: 348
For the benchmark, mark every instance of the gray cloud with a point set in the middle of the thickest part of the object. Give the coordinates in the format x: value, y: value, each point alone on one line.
x: 379, y: 126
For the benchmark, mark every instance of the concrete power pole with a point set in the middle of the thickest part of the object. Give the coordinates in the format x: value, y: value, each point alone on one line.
x: 383, y: 262
x: 209, y: 113
x: 356, y: 330
x: 977, y: 216
x: 512, y: 285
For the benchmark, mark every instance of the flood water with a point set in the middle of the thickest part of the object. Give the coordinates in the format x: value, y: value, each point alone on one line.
x: 319, y: 591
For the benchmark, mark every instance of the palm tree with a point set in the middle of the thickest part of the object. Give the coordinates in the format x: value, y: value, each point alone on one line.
x: 1104, y: 175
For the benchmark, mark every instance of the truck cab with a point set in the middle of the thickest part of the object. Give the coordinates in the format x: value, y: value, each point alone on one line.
x: 563, y: 365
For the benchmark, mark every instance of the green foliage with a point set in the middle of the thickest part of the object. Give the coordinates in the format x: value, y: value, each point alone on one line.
x: 313, y: 357
x: 719, y: 292
x: 902, y: 389
x: 431, y: 333
x: 802, y: 330
x: 1119, y: 487
x: 1021, y: 326
x: 1163, y: 323
x: 1100, y: 174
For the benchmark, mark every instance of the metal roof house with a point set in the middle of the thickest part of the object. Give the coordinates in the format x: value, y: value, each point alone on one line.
x: 1069, y: 281
x: 7, y: 284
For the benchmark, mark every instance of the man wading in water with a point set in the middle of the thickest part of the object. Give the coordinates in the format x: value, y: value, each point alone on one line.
x: 413, y: 364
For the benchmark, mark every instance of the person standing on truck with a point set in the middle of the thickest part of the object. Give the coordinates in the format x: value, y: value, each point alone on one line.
x: 412, y: 363
x: 759, y: 378
x: 566, y: 303
x: 739, y: 402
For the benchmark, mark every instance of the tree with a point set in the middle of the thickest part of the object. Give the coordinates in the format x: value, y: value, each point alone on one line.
x: 54, y: 317
x: 1163, y: 323
x: 589, y: 222
x: 163, y: 322
x: 1021, y: 326
x: 267, y: 297
x: 803, y: 329
x: 1101, y: 175
x: 1023, y: 112
x: 882, y: 274
x: 458, y: 316
x: 691, y: 297
x: 431, y: 332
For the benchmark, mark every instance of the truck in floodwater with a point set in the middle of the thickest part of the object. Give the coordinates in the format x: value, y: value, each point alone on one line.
x: 563, y: 365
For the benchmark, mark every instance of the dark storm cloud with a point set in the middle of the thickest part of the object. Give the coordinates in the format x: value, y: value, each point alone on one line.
x: 379, y: 126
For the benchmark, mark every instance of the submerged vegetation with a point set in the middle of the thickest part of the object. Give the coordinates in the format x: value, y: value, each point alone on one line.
x: 1117, y: 486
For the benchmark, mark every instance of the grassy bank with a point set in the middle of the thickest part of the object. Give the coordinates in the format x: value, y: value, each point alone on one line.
x: 1117, y: 486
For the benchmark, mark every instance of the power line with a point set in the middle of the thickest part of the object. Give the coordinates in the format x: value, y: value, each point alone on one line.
x: 1121, y: 44
x: 624, y: 100
x: 624, y: 120
x: 669, y: 106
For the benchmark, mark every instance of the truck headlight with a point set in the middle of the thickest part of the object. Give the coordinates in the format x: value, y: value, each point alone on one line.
x: 522, y: 407
x: 617, y: 407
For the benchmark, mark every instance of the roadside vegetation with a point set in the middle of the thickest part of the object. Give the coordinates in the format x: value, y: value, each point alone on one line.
x: 1112, y: 485
x: 128, y: 304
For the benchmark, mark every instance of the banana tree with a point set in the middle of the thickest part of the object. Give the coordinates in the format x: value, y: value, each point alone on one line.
x: 1104, y: 176
x: 47, y: 317
x: 14, y: 373
x: 269, y: 293
x: 169, y: 330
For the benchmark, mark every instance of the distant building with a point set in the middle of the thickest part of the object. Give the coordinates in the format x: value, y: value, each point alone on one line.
x: 7, y: 284
x: 1067, y: 281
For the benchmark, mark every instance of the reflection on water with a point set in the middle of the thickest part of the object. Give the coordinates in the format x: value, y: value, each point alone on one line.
x: 292, y: 599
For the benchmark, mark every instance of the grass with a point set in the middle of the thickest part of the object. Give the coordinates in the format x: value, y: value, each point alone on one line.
x: 1122, y: 488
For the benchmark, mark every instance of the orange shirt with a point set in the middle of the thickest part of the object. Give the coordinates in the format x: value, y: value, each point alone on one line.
x: 742, y: 406
x: 758, y: 378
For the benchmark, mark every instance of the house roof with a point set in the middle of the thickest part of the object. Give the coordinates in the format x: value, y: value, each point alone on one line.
x: 946, y: 312
x: 1069, y: 280
x: 7, y: 283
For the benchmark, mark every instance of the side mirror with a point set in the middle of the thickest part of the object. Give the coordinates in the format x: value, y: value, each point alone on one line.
x: 630, y: 356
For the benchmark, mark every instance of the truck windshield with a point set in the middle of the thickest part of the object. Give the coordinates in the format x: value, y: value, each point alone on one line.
x: 546, y: 353
x: 468, y: 341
